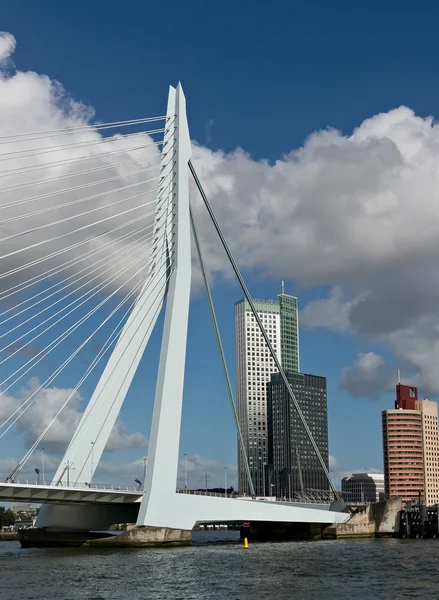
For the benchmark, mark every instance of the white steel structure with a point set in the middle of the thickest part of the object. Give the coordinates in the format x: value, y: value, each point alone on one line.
x: 169, y: 276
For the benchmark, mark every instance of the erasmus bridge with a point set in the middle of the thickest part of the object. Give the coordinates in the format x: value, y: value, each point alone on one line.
x: 105, y: 258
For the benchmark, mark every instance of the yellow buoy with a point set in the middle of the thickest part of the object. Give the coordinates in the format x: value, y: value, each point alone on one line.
x: 246, y: 543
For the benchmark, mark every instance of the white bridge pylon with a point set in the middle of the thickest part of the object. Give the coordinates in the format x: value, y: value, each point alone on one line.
x: 161, y: 505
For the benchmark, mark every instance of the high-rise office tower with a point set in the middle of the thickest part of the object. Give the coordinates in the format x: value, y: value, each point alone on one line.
x: 254, y: 366
x: 403, y: 446
x: 411, y: 447
x: 294, y: 469
x: 430, y: 436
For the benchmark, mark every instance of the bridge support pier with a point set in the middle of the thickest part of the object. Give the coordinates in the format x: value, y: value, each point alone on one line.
x: 267, y: 531
x: 40, y: 537
x: 144, y: 537
x: 138, y: 537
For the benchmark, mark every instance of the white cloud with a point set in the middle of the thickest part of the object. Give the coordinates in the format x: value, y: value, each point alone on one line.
x: 331, y: 313
x: 357, y: 212
x: 42, y: 409
x: 33, y: 103
x: 368, y: 377
x: 197, y: 469
x: 333, y: 462
x: 7, y: 45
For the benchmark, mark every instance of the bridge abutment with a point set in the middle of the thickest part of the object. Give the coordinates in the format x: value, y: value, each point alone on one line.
x: 267, y: 531
x: 40, y: 537
x: 144, y: 537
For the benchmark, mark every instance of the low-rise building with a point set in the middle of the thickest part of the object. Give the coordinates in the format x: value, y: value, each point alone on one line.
x: 360, y: 488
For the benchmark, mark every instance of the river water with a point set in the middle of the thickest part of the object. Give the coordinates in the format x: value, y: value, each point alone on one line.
x: 217, y: 567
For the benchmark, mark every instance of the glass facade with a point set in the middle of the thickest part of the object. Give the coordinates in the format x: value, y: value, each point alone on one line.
x: 281, y: 458
x: 293, y: 467
x: 289, y: 328
x: 254, y: 366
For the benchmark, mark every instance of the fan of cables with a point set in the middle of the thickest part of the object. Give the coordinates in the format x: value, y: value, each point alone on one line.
x: 78, y: 213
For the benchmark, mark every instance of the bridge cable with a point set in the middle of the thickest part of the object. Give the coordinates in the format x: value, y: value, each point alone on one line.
x: 54, y: 343
x: 163, y: 288
x: 72, y: 262
x: 69, y: 161
x: 54, y: 270
x: 66, y: 249
x: 146, y: 238
x: 68, y: 360
x: 20, y: 186
x: 262, y: 329
x: 223, y: 359
x: 75, y: 188
x: 169, y: 270
x: 40, y: 227
x: 58, y: 237
x: 21, y: 464
x: 18, y: 154
x: 98, y: 289
x: 90, y: 368
x: 60, y: 338
x: 83, y: 214
x: 37, y: 135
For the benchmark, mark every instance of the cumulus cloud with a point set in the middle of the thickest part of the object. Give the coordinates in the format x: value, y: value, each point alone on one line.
x: 40, y: 184
x: 197, y: 469
x: 356, y: 212
x: 45, y: 404
x: 7, y: 45
x: 368, y: 377
x: 331, y: 313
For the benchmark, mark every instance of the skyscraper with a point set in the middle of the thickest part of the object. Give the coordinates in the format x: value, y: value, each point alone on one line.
x: 430, y: 436
x: 411, y: 447
x: 254, y: 366
x: 294, y: 469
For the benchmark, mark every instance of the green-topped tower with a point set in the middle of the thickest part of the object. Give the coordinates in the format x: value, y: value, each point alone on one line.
x: 254, y: 366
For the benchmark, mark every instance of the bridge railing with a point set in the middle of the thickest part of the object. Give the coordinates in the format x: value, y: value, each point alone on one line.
x: 91, y: 486
x: 237, y: 496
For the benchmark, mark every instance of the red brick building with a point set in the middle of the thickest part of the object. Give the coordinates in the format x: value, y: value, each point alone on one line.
x: 403, y: 445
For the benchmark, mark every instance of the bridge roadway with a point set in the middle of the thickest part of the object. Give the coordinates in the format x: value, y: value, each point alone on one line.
x: 84, y: 494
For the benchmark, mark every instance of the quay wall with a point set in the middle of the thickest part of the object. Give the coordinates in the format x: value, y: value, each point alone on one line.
x: 380, y: 519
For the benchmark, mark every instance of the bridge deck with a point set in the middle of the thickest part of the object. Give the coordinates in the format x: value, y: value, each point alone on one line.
x: 80, y: 493
x: 194, y: 508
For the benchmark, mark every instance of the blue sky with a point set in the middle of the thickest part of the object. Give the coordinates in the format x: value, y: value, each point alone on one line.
x: 262, y: 78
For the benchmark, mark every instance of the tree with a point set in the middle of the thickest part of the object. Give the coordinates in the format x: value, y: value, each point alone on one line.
x: 8, y: 518
x: 2, y: 514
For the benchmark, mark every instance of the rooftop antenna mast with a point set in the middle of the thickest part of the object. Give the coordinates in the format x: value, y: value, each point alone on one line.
x: 283, y: 287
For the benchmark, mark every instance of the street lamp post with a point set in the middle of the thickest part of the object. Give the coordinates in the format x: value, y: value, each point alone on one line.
x: 185, y: 472
x: 42, y: 464
x: 263, y: 479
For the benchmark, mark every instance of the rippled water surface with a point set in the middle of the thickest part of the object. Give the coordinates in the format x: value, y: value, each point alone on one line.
x: 358, y: 569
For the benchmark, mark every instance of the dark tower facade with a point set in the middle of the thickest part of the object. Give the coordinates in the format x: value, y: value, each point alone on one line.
x: 294, y: 468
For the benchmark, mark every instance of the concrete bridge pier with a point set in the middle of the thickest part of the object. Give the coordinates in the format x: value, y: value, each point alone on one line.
x: 75, y: 524
x: 270, y: 531
x: 146, y: 537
